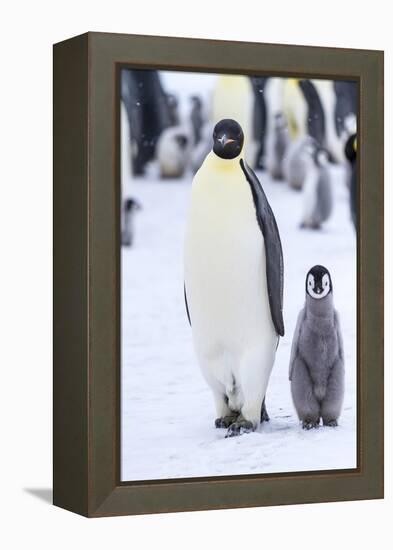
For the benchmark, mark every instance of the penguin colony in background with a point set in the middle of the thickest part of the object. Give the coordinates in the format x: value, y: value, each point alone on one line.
x: 316, y: 369
x: 233, y: 281
x: 277, y: 115
x: 319, y: 108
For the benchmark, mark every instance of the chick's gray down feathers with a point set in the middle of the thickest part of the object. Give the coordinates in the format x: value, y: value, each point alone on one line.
x: 316, y: 368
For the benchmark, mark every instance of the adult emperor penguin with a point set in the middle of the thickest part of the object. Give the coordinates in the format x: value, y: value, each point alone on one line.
x: 317, y: 188
x: 233, y: 281
x: 316, y: 368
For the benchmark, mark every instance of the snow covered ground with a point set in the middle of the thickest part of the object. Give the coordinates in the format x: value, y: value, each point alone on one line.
x: 167, y: 418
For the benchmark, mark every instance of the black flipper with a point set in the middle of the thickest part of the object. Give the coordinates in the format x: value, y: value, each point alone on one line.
x: 274, y: 257
x: 185, y: 301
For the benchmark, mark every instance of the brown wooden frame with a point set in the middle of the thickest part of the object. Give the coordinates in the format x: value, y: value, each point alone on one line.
x: 87, y: 283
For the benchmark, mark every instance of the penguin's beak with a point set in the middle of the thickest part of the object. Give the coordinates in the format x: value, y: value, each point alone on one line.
x: 224, y: 140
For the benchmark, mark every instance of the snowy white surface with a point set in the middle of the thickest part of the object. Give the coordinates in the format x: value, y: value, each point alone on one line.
x: 167, y: 419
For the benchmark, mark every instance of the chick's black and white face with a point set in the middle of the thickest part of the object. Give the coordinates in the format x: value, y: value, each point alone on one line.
x: 228, y: 139
x: 318, y: 282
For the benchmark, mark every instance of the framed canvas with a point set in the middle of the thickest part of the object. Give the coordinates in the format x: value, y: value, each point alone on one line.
x: 218, y: 274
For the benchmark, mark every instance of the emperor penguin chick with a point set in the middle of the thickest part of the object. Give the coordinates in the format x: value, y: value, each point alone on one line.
x: 233, y: 281
x: 280, y: 143
x: 294, y: 163
x: 173, y: 151
x: 317, y: 188
x: 316, y: 368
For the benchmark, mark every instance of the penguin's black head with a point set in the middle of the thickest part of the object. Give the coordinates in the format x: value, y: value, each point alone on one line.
x: 318, y: 282
x: 132, y: 204
x: 181, y: 140
x: 196, y: 101
x: 228, y: 139
x: 320, y: 156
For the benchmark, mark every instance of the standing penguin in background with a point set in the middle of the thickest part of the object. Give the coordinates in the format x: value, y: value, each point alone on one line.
x: 317, y: 189
x: 331, y: 139
x: 233, y: 281
x: 350, y: 153
x: 129, y: 205
x: 295, y: 108
x: 260, y: 119
x: 196, y: 118
x: 173, y: 151
x: 280, y: 143
x: 316, y: 368
x: 316, y: 120
x: 148, y: 111
x: 346, y: 105
x: 200, y: 151
x: 296, y: 161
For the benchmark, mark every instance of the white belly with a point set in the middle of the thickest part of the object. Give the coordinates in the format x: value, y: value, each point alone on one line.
x: 225, y: 273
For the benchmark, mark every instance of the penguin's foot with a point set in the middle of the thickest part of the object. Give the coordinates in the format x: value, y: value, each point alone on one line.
x: 225, y: 421
x: 310, y: 225
x: 330, y: 423
x: 240, y: 427
x: 307, y: 425
x: 264, y: 414
x: 126, y: 239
